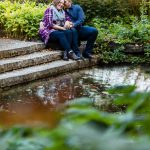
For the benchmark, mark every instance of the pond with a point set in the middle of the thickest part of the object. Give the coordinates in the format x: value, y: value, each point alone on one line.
x: 41, y: 102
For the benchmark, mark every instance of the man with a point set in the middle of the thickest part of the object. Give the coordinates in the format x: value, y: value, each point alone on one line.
x: 86, y: 33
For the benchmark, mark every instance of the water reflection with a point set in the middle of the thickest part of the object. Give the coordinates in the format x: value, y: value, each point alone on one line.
x: 56, y: 92
x: 28, y: 114
x: 122, y: 75
x: 41, y: 101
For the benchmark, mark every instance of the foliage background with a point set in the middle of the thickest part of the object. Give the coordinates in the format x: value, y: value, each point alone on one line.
x: 20, y: 18
x: 129, y: 22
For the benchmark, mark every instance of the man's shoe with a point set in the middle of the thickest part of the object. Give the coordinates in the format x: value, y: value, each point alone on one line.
x: 65, y: 56
x: 78, y: 54
x: 73, y: 56
x: 87, y: 55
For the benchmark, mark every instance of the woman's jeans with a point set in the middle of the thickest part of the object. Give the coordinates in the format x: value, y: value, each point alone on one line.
x: 68, y: 39
x: 62, y: 37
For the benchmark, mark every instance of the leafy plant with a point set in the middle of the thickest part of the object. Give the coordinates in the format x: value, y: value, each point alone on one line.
x: 109, y: 8
x: 21, y: 20
x: 86, y: 127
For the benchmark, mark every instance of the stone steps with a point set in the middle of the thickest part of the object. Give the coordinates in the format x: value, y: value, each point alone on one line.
x: 44, y: 70
x: 22, y: 62
x: 11, y: 48
x: 32, y: 59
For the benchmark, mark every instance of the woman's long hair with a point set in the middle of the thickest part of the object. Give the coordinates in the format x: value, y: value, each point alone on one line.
x: 55, y: 2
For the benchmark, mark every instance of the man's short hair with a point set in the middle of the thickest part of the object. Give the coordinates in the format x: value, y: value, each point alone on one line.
x: 70, y: 1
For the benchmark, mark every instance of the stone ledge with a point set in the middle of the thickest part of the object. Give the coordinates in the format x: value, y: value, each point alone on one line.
x: 134, y: 48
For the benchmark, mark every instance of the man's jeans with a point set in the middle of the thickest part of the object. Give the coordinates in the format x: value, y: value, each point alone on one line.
x: 75, y: 41
x: 88, y: 34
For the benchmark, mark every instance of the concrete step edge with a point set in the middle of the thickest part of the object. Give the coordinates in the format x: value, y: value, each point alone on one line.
x: 8, y: 53
x: 32, y: 59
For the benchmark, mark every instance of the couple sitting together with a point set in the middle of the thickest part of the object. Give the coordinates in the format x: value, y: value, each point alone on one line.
x: 66, y: 27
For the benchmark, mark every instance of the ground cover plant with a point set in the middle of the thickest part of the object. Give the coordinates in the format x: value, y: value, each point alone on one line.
x: 116, y: 34
x: 114, y: 37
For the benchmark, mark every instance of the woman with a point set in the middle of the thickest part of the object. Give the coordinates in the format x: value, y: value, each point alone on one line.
x: 57, y: 28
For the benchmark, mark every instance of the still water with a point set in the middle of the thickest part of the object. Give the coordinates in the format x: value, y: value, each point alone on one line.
x: 41, y: 102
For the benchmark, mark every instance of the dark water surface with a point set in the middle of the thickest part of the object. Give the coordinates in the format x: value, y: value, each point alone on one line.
x: 41, y: 102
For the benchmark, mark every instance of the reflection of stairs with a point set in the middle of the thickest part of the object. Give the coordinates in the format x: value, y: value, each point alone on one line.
x: 30, y: 61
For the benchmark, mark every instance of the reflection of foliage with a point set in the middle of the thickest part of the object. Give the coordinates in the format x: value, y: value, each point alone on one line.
x: 91, y: 87
x: 85, y: 127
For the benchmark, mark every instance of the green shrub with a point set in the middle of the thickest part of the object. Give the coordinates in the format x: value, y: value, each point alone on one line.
x: 109, y: 8
x: 114, y: 35
x: 21, y: 20
x: 121, y: 32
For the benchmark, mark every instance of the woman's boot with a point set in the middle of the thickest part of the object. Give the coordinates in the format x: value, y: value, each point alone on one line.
x: 65, y: 56
x: 72, y: 55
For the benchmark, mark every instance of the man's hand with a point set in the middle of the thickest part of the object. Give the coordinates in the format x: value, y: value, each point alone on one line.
x: 68, y: 25
x: 71, y: 24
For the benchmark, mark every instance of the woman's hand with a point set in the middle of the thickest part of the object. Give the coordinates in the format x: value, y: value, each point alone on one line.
x: 57, y: 27
x: 41, y: 25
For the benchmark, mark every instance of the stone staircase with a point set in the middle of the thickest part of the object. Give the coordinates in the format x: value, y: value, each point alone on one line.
x: 26, y: 61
